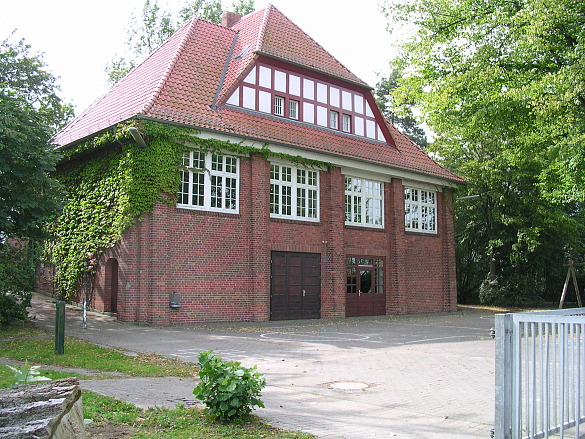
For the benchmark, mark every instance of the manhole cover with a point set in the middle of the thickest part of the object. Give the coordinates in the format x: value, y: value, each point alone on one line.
x: 348, y: 385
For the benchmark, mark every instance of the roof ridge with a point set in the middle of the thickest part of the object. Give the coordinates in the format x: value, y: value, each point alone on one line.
x: 262, y: 30
x: 192, y: 24
x: 260, y: 48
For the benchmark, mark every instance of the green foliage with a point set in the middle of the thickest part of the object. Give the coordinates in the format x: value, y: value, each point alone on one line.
x: 30, y: 111
x: 228, y: 390
x: 17, y: 280
x: 501, y: 86
x: 399, y: 114
x: 27, y: 374
x: 111, y: 182
x: 23, y: 77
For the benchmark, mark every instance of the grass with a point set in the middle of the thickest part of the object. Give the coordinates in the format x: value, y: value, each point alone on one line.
x: 111, y: 417
x: 178, y: 423
x: 7, y: 375
x: 38, y: 347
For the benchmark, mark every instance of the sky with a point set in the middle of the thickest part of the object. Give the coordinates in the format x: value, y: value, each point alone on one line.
x: 77, y: 38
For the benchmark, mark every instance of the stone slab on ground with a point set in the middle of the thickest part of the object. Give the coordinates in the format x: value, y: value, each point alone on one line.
x: 47, y: 410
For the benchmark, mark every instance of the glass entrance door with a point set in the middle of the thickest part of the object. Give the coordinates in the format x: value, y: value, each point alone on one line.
x: 365, y: 287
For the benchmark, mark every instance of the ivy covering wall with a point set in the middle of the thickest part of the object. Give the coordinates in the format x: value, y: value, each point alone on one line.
x: 111, y: 182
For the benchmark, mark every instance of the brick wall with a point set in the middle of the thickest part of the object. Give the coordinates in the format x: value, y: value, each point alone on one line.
x: 220, y: 263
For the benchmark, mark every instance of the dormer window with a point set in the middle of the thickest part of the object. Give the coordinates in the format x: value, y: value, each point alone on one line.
x: 333, y: 120
x: 296, y: 96
x: 293, y: 109
x: 279, y: 105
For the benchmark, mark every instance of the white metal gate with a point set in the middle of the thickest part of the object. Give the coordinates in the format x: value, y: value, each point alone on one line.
x: 540, y: 374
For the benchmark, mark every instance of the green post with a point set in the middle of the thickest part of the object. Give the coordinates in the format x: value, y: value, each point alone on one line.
x: 60, y: 328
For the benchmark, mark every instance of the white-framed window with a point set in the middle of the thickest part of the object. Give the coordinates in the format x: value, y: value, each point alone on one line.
x: 420, y: 210
x: 294, y: 193
x: 279, y: 105
x: 293, y: 109
x: 364, y: 202
x: 333, y: 119
x: 346, y: 123
x: 209, y: 182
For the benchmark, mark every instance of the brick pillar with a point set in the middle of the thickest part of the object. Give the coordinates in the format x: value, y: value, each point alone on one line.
x: 140, y: 283
x: 333, y: 285
x: 258, y: 216
x: 396, y: 274
x: 447, y: 231
x: 158, y: 268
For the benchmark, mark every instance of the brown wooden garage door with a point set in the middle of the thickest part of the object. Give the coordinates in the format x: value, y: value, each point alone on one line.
x: 296, y: 286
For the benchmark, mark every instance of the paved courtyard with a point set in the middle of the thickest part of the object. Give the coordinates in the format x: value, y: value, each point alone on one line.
x: 419, y: 376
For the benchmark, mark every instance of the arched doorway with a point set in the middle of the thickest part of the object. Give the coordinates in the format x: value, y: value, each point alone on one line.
x: 112, y: 284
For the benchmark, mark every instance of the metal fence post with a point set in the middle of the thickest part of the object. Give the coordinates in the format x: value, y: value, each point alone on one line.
x: 503, y: 378
x: 60, y: 328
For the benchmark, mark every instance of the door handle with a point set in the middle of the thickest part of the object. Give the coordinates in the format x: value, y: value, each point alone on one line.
x: 360, y: 293
x: 304, y: 292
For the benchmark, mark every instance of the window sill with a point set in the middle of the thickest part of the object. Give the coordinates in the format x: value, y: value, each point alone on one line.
x: 295, y: 221
x: 218, y: 213
x: 417, y: 233
x: 366, y: 228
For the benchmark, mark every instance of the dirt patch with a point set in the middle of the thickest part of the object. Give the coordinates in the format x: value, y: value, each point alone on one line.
x: 109, y: 431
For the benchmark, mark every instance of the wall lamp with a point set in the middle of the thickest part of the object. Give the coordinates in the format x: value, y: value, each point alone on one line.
x: 137, y: 137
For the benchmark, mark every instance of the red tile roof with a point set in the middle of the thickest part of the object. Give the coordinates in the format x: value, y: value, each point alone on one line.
x: 199, y: 66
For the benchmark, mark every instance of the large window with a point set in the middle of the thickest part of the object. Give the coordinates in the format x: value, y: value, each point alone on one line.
x: 363, y: 202
x: 209, y: 182
x: 420, y: 210
x: 294, y: 193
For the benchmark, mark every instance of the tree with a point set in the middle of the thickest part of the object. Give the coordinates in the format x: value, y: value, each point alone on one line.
x: 501, y: 84
x: 155, y: 26
x: 402, y: 115
x: 30, y: 112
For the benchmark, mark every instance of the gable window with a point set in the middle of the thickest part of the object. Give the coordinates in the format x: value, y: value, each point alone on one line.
x: 294, y: 193
x: 209, y: 182
x: 279, y: 105
x: 333, y: 120
x: 276, y: 91
x: 420, y: 210
x: 346, y: 123
x: 293, y: 109
x: 363, y: 202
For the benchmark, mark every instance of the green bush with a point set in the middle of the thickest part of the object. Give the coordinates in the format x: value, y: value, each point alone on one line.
x: 517, y: 290
x: 17, y: 279
x: 228, y: 390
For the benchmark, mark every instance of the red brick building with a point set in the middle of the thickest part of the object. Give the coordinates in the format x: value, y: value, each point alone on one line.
x: 272, y: 239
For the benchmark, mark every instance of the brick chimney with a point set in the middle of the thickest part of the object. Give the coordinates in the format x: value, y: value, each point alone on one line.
x: 228, y: 19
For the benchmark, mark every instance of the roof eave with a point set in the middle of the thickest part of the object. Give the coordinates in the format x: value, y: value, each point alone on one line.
x: 452, y: 181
